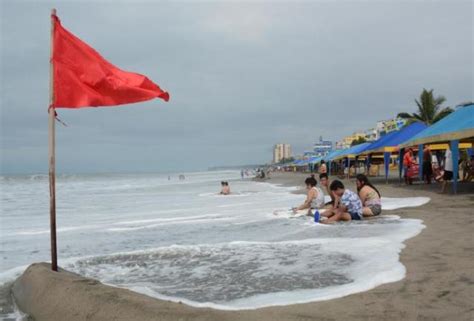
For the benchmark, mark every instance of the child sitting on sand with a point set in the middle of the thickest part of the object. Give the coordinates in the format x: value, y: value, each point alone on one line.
x: 348, y: 205
x: 314, y: 198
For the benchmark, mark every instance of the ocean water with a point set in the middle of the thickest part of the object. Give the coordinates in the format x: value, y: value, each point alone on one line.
x: 182, y: 241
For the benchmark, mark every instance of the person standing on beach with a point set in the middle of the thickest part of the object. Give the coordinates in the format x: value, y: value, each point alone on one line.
x: 323, y: 168
x: 369, y: 195
x: 314, y: 197
x: 407, y: 163
x: 448, y: 169
x: 348, y: 205
x: 427, y: 165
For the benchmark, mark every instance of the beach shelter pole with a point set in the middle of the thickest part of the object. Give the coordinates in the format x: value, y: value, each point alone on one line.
x: 77, y: 85
x: 470, y: 152
x: 348, y: 168
x: 386, y: 161
x: 455, y: 154
x: 400, y: 164
x: 420, y: 162
x: 51, y: 154
x: 367, y: 163
x: 329, y: 168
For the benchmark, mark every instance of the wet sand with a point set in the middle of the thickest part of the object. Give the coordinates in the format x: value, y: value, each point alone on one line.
x: 439, y: 284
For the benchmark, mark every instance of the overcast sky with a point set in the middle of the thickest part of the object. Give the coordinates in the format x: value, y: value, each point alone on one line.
x: 242, y: 76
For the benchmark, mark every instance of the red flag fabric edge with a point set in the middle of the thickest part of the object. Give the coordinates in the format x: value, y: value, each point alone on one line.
x: 83, y: 78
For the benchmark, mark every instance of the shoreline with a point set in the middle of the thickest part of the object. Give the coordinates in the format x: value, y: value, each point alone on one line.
x: 437, y: 286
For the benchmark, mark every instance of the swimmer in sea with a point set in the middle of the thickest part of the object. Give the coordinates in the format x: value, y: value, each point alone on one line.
x: 225, y: 189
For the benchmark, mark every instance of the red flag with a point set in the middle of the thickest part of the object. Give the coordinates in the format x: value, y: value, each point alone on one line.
x: 83, y: 78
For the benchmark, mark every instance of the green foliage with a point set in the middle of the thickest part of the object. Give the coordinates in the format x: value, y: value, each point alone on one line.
x: 430, y: 109
x: 358, y: 141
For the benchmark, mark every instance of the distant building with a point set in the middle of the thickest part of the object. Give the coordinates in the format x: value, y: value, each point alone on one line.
x: 382, y: 128
x: 371, y: 135
x: 281, y: 151
x: 346, y: 142
x: 322, y: 147
x: 386, y: 126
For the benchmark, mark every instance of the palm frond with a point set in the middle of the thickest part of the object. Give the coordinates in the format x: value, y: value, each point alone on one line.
x: 443, y: 113
x: 419, y: 117
x: 404, y: 115
x: 430, y: 108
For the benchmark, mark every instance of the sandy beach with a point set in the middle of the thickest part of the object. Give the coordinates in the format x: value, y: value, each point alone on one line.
x: 439, y: 284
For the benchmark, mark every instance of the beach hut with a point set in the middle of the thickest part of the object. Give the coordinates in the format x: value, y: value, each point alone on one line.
x: 314, y: 160
x: 456, y: 128
x: 389, y: 143
x: 299, y: 162
x: 353, y: 151
x: 350, y: 153
x: 331, y: 156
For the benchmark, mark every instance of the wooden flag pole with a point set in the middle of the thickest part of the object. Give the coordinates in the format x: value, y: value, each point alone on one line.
x: 51, y: 154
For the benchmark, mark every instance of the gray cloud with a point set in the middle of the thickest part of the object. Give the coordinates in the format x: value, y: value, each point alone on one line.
x: 242, y: 76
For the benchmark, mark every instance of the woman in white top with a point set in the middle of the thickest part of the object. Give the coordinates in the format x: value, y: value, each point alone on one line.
x: 314, y: 197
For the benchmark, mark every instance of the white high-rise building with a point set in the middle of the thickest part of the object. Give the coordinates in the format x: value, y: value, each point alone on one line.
x: 281, y: 151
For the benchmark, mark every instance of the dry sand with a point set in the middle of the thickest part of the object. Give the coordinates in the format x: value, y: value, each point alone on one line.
x: 439, y: 284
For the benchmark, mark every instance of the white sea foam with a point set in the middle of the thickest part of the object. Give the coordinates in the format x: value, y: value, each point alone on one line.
x: 176, y: 219
x: 46, y: 231
x: 392, y: 203
x: 171, y: 222
x: 182, y: 241
x: 249, y: 275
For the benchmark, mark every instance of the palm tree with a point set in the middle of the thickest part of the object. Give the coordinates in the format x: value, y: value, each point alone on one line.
x: 429, y: 109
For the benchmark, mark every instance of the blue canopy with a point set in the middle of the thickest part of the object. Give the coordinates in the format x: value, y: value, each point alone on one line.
x: 390, y: 142
x: 353, y: 151
x: 457, y: 125
x: 300, y: 162
x: 314, y: 159
x: 333, y: 154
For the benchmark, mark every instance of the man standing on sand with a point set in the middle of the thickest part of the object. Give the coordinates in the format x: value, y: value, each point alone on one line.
x: 427, y: 165
x: 448, y: 169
